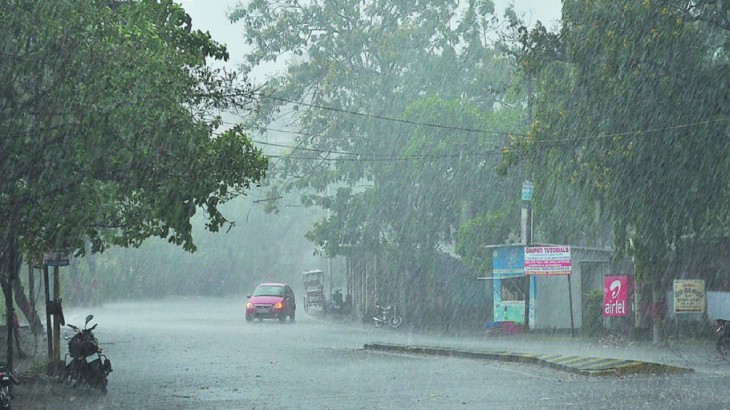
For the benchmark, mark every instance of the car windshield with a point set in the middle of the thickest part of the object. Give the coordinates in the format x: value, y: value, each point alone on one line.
x: 268, y: 290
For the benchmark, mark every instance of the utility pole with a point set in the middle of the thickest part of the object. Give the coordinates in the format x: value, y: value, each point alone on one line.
x: 527, y: 188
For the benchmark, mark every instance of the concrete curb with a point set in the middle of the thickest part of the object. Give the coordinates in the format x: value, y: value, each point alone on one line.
x: 587, y: 366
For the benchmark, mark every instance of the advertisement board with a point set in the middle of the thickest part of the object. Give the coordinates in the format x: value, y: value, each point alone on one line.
x: 689, y: 296
x: 547, y: 260
x: 616, y: 295
x: 508, y: 262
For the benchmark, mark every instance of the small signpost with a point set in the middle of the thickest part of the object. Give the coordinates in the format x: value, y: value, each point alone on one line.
x: 55, y: 258
x: 53, y: 307
x: 689, y: 296
x: 527, y: 188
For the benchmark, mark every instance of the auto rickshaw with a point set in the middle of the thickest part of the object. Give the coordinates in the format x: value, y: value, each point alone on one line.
x: 314, y: 290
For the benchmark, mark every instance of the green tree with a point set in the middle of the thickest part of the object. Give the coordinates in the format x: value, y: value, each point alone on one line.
x: 399, y: 106
x: 109, y: 118
x: 632, y: 113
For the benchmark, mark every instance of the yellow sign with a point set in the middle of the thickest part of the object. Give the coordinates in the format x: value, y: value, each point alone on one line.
x: 689, y: 296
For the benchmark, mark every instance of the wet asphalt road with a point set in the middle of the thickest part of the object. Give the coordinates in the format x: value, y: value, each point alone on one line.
x: 199, y: 353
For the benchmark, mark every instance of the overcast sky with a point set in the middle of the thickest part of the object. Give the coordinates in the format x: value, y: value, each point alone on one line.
x: 547, y: 11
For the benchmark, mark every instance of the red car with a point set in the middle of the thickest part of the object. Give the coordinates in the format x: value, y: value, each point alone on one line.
x: 271, y: 301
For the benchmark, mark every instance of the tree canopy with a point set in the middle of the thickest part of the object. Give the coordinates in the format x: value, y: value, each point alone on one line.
x: 632, y: 112
x: 110, y: 129
x: 110, y: 121
x: 400, y: 110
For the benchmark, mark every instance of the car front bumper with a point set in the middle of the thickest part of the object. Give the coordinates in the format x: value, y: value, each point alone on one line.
x: 265, y: 313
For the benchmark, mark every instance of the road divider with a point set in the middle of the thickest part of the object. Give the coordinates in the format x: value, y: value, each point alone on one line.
x: 588, y: 366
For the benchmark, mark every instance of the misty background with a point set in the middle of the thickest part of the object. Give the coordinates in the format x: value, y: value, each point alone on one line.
x: 261, y: 246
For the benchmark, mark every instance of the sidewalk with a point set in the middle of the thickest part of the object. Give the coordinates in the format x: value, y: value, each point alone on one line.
x: 595, y: 356
x: 585, y: 365
x: 608, y: 355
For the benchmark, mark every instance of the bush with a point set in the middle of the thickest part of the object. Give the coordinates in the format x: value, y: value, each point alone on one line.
x: 593, y: 312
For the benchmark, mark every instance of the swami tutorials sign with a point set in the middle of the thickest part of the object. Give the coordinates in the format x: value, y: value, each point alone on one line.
x: 547, y: 260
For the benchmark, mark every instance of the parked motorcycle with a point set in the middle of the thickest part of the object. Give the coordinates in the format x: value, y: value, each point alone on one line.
x: 723, y: 340
x: 87, y: 365
x: 339, y: 304
x: 7, y: 379
x: 389, y: 315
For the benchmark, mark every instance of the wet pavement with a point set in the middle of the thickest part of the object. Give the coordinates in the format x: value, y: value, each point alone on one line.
x: 683, y: 354
x: 609, y: 355
x: 558, y: 351
x: 200, y: 354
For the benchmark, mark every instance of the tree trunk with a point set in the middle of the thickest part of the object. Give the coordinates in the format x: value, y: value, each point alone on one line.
x: 9, y: 268
x: 656, y: 314
x: 30, y: 314
x: 8, y: 293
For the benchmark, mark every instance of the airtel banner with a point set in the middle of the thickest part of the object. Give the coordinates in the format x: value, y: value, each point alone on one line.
x: 616, y: 295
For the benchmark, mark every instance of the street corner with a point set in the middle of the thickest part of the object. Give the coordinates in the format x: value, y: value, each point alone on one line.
x: 583, y: 365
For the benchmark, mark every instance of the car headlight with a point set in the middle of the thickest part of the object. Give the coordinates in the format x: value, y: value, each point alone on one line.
x: 279, y: 305
x: 249, y: 305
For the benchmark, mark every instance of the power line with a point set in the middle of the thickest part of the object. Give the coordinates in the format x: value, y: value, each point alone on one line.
x: 392, y: 119
x: 386, y: 157
x: 496, y: 132
x: 363, y: 158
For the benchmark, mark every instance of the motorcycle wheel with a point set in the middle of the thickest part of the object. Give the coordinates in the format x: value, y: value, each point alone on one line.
x: 395, y: 321
x: 5, y: 398
x: 71, y: 371
x: 378, y: 323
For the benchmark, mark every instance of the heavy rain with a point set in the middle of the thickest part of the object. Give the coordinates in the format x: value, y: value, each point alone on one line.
x: 239, y: 204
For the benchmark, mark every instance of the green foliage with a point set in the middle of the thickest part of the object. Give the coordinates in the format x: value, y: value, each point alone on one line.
x: 593, y: 312
x: 108, y: 131
x: 478, y: 232
x: 106, y: 115
x: 631, y: 114
x: 392, y: 100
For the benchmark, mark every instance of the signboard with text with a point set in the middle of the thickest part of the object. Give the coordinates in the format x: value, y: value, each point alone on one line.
x: 55, y: 258
x: 508, y: 262
x: 689, y: 296
x: 616, y: 296
x: 527, y: 188
x: 547, y: 260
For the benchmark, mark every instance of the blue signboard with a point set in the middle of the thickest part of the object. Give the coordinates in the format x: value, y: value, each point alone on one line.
x: 508, y: 261
x: 527, y: 188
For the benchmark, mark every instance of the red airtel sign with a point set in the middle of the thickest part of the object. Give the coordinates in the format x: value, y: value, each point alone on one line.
x: 616, y: 295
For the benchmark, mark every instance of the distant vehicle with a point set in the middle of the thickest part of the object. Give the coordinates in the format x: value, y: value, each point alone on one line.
x: 314, y: 290
x: 271, y: 301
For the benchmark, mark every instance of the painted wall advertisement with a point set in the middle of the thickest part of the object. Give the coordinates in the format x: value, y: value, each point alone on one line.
x: 616, y: 295
x: 547, y: 260
x: 689, y: 296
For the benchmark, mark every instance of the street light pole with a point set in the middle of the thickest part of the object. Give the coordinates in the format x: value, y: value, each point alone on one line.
x: 527, y: 188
